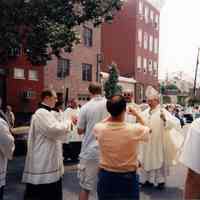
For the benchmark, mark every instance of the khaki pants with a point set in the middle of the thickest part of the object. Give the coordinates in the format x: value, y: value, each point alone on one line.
x: 87, y: 174
x: 192, y: 185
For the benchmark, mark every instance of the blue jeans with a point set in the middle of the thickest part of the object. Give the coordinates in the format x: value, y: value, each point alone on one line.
x: 117, y: 186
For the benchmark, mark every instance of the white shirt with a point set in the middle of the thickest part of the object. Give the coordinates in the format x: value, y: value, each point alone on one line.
x: 6, y: 149
x: 91, y: 113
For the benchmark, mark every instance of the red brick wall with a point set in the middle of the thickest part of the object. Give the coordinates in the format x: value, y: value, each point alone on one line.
x: 119, y: 44
x: 80, y: 54
x: 16, y: 87
x: 118, y: 40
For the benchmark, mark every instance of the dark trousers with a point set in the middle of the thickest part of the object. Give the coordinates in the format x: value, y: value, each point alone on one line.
x: 52, y: 191
x: 118, y: 186
x: 1, y: 192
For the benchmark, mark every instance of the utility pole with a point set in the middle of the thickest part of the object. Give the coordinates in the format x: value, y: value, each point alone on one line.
x: 196, y: 72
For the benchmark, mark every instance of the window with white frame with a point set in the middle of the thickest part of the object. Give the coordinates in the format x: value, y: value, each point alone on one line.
x: 155, y: 45
x: 33, y: 75
x: 19, y: 73
x: 156, y: 22
x: 145, y: 40
x: 152, y: 16
x: 146, y: 14
x: 144, y: 64
x: 140, y: 37
x: 140, y: 8
x: 150, y: 43
x: 155, y: 68
x: 150, y: 65
x: 139, y: 62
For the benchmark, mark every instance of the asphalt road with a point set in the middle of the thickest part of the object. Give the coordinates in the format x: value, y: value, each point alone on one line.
x: 15, y: 189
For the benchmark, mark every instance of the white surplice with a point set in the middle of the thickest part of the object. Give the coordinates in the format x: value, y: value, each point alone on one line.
x: 190, y: 152
x: 44, y: 160
x: 6, y: 149
x: 158, y: 154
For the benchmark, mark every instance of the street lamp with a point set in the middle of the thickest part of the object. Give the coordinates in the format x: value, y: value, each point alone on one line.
x: 196, y: 72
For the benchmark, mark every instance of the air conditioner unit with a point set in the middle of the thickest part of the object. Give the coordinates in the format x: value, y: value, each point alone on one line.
x: 28, y: 94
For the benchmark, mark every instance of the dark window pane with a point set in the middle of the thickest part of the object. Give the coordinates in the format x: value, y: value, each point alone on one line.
x: 86, y: 72
x: 63, y: 69
x: 87, y: 36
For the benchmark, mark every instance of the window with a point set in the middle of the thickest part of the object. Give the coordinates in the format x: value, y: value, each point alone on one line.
x: 156, y: 22
x: 140, y: 8
x: 145, y: 40
x: 19, y: 73
x: 150, y: 43
x: 87, y: 36
x: 140, y: 37
x: 155, y: 68
x: 139, y: 62
x: 63, y: 68
x: 86, y: 72
x: 156, y: 45
x: 15, y: 52
x: 33, y: 75
x: 145, y: 64
x: 150, y: 65
x: 152, y: 16
x: 146, y: 14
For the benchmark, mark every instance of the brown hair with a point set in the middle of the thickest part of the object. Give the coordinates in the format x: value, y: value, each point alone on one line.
x: 95, y: 88
x: 46, y: 93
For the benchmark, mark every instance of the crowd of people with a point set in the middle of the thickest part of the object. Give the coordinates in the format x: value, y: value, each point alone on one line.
x: 125, y: 146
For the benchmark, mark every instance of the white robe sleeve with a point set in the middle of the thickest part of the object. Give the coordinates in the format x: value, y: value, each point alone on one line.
x: 52, y: 128
x: 7, y: 145
x: 171, y: 121
x: 190, y: 152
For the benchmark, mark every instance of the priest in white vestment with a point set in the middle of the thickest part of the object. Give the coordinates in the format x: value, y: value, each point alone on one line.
x: 128, y: 94
x: 6, y: 151
x: 157, y: 155
x: 44, y: 160
x: 190, y: 158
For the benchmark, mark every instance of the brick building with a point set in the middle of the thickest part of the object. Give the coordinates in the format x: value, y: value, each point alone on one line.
x: 71, y: 74
x: 20, y: 84
x: 132, y: 41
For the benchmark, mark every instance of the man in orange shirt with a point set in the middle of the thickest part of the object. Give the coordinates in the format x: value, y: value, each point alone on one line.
x: 118, y: 144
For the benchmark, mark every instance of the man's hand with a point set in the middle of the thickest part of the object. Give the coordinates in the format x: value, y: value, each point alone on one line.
x: 162, y: 116
x: 132, y: 111
x: 74, y: 120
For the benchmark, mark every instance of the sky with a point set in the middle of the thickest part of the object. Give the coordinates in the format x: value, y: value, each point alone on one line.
x: 179, y: 36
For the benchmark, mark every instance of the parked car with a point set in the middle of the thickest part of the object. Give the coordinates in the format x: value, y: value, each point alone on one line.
x: 188, y: 118
x: 197, y: 115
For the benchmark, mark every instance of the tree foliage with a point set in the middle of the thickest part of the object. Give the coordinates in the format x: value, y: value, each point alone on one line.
x: 111, y: 86
x: 36, y: 25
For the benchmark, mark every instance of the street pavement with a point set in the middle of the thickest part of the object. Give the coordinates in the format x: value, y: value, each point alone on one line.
x: 15, y: 189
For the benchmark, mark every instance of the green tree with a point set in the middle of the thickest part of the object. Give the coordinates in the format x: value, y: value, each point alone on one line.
x: 111, y: 86
x: 35, y: 25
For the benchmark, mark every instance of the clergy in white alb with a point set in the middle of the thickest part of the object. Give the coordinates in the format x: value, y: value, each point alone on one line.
x: 6, y: 151
x: 190, y: 158
x: 44, y: 160
x: 158, y: 154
